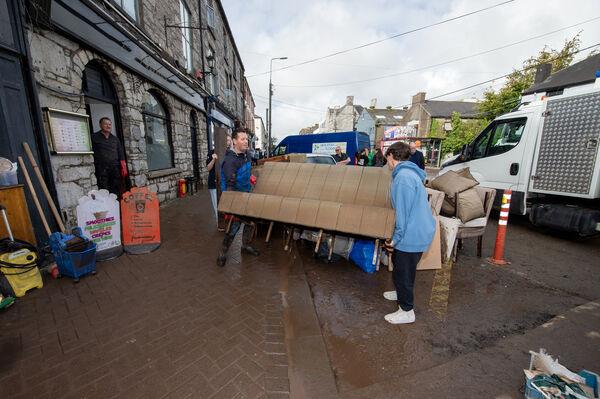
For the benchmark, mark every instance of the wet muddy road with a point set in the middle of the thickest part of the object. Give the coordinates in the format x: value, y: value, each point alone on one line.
x: 493, y: 318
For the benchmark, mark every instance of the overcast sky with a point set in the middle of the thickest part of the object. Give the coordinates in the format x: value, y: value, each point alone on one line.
x: 312, y: 28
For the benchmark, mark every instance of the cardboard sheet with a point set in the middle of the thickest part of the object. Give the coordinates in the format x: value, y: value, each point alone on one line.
x: 307, y: 212
x: 288, y: 210
x: 349, y: 218
x: 255, y: 205
x: 288, y: 178
x: 328, y: 215
x: 316, y: 182
x: 432, y: 259
x: 367, y: 189
x: 350, y: 184
x: 271, y: 207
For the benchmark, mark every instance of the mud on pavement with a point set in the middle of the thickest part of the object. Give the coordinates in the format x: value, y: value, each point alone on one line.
x: 487, y: 306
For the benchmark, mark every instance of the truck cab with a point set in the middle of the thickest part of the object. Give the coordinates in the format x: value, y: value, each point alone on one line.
x: 547, y: 152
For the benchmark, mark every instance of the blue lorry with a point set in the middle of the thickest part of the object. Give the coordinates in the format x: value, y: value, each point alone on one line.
x: 323, y: 143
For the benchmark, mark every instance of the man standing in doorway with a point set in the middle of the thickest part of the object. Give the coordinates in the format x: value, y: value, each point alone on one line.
x: 416, y: 156
x: 109, y: 158
x: 235, y: 176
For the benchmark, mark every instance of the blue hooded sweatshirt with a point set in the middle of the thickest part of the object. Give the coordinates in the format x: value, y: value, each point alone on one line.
x: 415, y: 224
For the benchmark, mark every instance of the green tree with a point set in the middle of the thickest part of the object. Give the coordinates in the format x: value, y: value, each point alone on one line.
x: 436, y: 129
x: 505, y: 99
x: 463, y: 132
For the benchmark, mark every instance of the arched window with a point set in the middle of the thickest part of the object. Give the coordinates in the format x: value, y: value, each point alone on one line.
x: 158, y: 133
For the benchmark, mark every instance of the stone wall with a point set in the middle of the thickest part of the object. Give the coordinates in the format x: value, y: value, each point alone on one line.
x: 58, y: 64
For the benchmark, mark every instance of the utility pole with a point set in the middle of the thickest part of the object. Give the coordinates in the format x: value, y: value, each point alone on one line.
x: 270, y: 110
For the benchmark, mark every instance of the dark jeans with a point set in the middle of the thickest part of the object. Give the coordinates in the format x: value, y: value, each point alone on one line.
x: 405, y: 269
x: 109, y: 178
x: 247, y: 233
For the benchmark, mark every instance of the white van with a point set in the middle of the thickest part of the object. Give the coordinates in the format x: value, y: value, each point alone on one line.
x: 547, y: 151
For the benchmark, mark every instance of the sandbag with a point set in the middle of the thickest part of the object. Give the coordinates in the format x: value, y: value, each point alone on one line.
x: 362, y: 255
x: 469, y: 205
x: 466, y: 173
x: 451, y: 183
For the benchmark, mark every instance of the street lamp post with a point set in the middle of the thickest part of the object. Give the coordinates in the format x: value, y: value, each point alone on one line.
x: 270, y: 116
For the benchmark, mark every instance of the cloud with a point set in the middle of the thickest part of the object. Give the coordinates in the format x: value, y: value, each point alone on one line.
x: 308, y: 29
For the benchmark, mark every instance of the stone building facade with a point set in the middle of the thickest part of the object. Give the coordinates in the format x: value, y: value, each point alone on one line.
x: 147, y: 55
x: 342, y: 119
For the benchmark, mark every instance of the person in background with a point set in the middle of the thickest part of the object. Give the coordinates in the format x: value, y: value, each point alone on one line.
x: 236, y: 176
x: 340, y: 157
x: 212, y: 181
x: 379, y: 159
x: 372, y: 157
x: 109, y: 158
x: 413, y: 231
x: 363, y: 157
x: 416, y: 156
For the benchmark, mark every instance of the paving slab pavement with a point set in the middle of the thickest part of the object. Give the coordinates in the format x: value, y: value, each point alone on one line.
x: 166, y: 324
x: 172, y: 324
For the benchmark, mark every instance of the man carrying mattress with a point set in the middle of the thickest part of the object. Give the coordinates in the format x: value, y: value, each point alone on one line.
x: 236, y: 176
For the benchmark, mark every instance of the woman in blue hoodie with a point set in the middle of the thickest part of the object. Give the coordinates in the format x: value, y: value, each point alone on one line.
x: 413, y: 231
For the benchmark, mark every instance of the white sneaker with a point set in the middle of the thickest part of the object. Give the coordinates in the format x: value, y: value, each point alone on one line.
x: 390, y: 295
x: 401, y: 317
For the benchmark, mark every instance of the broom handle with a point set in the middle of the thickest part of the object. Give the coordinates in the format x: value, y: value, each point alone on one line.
x: 36, y: 169
x: 10, y: 235
x: 34, y: 196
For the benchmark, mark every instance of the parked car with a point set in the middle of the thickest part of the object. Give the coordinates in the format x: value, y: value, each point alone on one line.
x: 301, y: 158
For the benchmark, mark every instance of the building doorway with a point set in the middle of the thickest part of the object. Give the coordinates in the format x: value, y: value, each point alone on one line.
x: 101, y: 101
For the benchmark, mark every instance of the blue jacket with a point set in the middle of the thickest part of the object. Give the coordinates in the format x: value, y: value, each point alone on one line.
x: 235, y: 172
x: 415, y: 224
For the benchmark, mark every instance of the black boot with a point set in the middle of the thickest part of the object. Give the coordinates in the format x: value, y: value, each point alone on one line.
x: 222, y: 258
x: 251, y: 250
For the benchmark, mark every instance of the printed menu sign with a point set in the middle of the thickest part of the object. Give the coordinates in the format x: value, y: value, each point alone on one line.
x: 141, y: 221
x: 69, y: 132
x: 99, y: 219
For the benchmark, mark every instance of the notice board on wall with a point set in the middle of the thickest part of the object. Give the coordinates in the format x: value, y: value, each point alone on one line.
x: 69, y: 132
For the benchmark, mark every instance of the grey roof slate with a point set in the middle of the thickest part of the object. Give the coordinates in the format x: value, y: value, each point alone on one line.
x: 388, y: 114
x: 444, y: 109
x: 579, y: 73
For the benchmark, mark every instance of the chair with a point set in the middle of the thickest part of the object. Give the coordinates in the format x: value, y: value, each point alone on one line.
x: 476, y: 227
